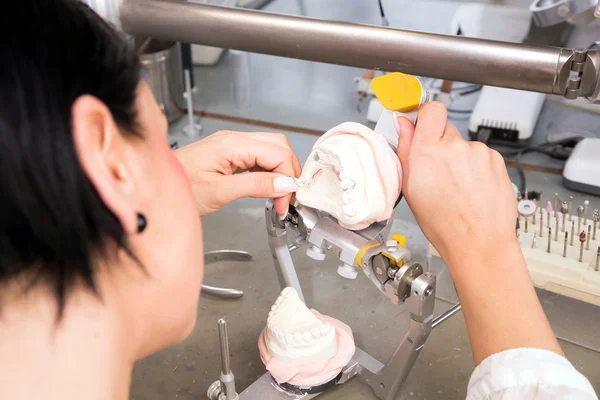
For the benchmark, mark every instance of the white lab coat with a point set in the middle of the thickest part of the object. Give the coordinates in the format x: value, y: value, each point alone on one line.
x: 528, y: 374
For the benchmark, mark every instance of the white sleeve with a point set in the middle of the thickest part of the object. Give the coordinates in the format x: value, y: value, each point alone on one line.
x: 528, y: 374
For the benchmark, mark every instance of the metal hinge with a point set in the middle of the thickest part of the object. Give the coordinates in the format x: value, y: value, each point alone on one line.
x: 578, y: 60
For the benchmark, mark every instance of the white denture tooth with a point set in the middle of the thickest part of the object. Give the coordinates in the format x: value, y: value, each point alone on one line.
x: 275, y: 307
x: 288, y: 290
x: 346, y: 198
x: 325, y: 329
x: 316, y: 332
x: 307, y: 336
x: 289, y: 338
x: 280, y: 336
x: 271, y: 314
x: 298, y: 337
x: 347, y: 184
x: 278, y: 301
x: 349, y: 211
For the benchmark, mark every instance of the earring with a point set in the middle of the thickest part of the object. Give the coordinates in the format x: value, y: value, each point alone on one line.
x: 141, y: 222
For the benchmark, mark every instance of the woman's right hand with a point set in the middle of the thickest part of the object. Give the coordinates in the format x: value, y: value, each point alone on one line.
x: 459, y: 191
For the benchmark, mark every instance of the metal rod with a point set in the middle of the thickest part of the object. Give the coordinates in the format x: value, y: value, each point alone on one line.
x: 570, y: 208
x: 589, y: 236
x: 566, y: 242
x: 597, y: 258
x: 549, y: 239
x: 572, y: 232
x: 224, y: 340
x: 494, y: 63
x: 445, y: 315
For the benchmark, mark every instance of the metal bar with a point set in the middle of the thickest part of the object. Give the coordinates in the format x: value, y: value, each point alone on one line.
x: 445, y: 315
x: 224, y: 341
x: 510, y: 65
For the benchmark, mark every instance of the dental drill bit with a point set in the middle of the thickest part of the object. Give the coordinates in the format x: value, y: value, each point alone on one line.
x: 549, y: 238
x: 526, y: 194
x: 541, y: 220
x: 526, y: 223
x: 565, y: 246
x: 579, y: 216
x: 596, y: 220
x: 572, y: 231
x: 585, y: 210
x: 564, y: 209
x: 597, y: 258
x: 540, y: 202
x: 556, y: 228
x: 582, y: 239
x: 548, y: 211
x: 533, y: 243
x: 570, y: 208
x: 589, y: 236
x: 555, y: 202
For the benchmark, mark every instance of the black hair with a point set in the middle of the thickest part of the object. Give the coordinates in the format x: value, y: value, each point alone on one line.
x: 53, y: 223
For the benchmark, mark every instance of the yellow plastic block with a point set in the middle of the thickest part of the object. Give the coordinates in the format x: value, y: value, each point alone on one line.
x: 397, y: 91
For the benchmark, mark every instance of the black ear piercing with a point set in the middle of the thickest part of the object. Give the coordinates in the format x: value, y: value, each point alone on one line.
x: 141, y: 222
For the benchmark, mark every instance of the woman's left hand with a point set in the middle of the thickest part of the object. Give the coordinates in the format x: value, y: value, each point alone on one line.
x: 214, y: 167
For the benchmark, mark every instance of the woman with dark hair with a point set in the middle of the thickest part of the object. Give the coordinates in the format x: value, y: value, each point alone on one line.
x: 101, y: 256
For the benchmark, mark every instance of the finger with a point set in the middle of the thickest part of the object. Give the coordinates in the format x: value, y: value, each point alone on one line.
x: 255, y: 185
x: 405, y: 137
x: 431, y: 123
x: 282, y: 204
x: 279, y: 139
x: 246, y: 154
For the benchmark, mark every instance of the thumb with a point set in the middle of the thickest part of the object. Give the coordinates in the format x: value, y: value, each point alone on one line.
x: 406, y: 132
x: 257, y: 185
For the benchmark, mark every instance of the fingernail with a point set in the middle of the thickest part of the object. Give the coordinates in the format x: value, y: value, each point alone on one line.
x: 284, y: 184
x: 284, y: 216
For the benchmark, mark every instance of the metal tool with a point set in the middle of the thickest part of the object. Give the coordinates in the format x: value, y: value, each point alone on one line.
x: 533, y: 242
x: 572, y: 231
x: 582, y: 238
x: 570, y: 208
x: 586, y: 204
x: 596, y: 219
x: 541, y: 220
x: 549, y: 239
x: 565, y: 246
x: 589, y: 237
x: 556, y: 227
x: 579, y: 216
x: 597, y: 258
x: 555, y: 202
x: 566, y: 71
x: 564, y: 209
x: 224, y: 388
x: 526, y: 223
x: 224, y: 255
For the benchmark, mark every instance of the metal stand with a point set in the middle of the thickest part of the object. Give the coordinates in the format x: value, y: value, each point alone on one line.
x: 388, y: 267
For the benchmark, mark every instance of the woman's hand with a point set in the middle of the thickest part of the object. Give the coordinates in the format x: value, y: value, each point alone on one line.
x: 459, y: 191
x: 463, y: 200
x: 215, y: 164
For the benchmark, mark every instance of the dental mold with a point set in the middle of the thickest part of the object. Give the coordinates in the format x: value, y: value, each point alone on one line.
x: 294, y: 335
x: 352, y: 174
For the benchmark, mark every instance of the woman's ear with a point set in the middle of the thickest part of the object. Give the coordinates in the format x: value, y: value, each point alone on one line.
x: 100, y: 150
